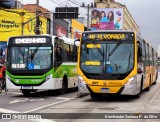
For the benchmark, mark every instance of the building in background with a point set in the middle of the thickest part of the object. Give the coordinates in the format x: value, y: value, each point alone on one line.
x: 107, y: 18
x: 77, y: 29
x: 60, y: 27
x: 14, y: 4
x: 33, y: 8
x: 128, y: 21
x: 11, y: 23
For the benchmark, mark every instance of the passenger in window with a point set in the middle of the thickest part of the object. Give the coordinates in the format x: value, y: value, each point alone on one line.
x: 74, y: 53
x: 45, y: 61
x: 58, y: 54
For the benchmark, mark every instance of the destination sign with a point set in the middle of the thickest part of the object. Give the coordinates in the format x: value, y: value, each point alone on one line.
x: 30, y: 40
x: 93, y: 46
x: 108, y: 36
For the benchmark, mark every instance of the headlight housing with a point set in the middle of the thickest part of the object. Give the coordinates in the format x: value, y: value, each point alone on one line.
x: 130, y: 81
x: 81, y: 80
x: 48, y: 77
x: 8, y: 77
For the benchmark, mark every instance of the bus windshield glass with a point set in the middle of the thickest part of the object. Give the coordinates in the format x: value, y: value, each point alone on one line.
x: 29, y: 58
x: 107, y: 56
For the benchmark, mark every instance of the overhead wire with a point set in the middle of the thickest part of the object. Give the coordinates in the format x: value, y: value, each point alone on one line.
x: 54, y: 2
x: 74, y: 3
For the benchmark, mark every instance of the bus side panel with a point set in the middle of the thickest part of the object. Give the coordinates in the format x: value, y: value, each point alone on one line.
x: 11, y: 86
x: 49, y: 84
x: 147, y: 77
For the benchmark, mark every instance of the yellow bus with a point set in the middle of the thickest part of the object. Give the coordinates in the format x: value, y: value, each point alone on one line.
x: 115, y: 62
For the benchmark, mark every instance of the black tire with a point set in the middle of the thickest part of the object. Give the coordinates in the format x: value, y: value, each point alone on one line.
x: 141, y: 88
x: 137, y: 96
x: 64, y: 88
x: 94, y: 95
x: 148, y: 88
x: 26, y: 92
x: 154, y: 83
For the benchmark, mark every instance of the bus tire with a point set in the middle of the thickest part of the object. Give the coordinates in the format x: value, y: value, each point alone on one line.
x: 137, y: 96
x: 148, y: 88
x: 94, y: 95
x: 64, y: 88
x: 141, y: 88
x: 26, y: 92
x: 154, y: 83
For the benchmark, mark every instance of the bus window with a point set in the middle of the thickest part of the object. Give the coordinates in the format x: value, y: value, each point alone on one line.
x: 139, y: 52
x: 66, y: 52
x: 74, y: 53
x: 58, y: 54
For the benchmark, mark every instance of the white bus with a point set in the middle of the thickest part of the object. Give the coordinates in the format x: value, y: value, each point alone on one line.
x: 41, y: 62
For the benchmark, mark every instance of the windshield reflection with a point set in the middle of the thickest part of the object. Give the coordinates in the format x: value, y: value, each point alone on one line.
x: 30, y: 58
x: 109, y: 58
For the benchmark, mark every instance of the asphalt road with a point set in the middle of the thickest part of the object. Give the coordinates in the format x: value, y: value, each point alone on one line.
x: 53, y: 103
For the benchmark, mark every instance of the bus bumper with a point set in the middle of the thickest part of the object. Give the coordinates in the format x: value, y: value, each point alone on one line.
x: 130, y: 89
x: 82, y: 88
x: 124, y: 90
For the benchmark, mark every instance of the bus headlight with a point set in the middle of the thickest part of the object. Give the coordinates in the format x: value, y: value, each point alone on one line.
x: 130, y: 81
x: 8, y: 77
x: 81, y: 80
x: 49, y: 77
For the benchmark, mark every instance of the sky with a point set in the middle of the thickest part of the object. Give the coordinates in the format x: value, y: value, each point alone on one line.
x: 145, y: 13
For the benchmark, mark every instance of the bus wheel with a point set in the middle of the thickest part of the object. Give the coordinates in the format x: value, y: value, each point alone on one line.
x: 26, y: 92
x: 141, y: 88
x: 154, y: 83
x: 148, y: 88
x: 64, y: 88
x: 94, y: 95
x: 137, y: 95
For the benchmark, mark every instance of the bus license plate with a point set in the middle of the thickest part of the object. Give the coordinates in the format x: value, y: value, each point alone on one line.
x: 105, y: 90
x: 26, y: 87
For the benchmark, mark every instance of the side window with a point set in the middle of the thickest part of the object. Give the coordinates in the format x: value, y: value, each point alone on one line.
x: 74, y: 53
x: 144, y: 51
x: 149, y: 58
x: 147, y: 55
x: 139, y: 51
x: 66, y: 52
x: 153, y: 57
x: 58, y: 51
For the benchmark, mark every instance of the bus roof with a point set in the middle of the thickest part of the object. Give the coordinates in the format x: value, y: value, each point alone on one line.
x: 53, y: 36
x: 69, y: 41
x: 97, y: 31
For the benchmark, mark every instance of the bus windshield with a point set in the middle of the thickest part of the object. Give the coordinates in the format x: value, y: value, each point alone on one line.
x: 29, y: 58
x: 107, y: 57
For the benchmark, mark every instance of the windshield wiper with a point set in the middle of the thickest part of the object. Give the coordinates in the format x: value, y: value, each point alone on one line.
x: 114, y: 49
x: 129, y: 60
